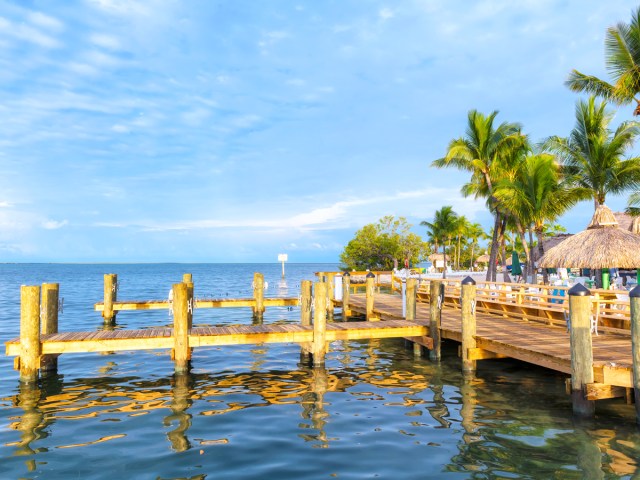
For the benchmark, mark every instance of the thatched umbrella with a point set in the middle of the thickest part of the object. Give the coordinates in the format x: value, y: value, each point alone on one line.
x: 602, y: 245
x: 483, y: 259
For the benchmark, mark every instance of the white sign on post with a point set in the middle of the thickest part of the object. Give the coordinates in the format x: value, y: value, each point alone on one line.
x: 283, y: 257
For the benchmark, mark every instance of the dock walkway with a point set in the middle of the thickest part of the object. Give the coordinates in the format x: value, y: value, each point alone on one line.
x: 529, y: 341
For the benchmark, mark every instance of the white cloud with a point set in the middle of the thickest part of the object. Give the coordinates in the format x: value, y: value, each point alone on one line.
x: 106, y: 41
x: 54, y: 224
x: 385, y: 14
x: 5, y: 204
x: 45, y: 21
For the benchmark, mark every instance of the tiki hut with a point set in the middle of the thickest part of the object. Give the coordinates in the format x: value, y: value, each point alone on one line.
x: 602, y: 245
x: 483, y: 259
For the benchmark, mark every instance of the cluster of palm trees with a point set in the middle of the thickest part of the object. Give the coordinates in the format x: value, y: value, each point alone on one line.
x: 448, y: 230
x: 527, y: 185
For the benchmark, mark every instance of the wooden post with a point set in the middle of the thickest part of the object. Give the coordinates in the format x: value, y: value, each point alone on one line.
x: 305, y: 318
x: 191, y: 303
x: 370, y: 293
x: 346, y: 293
x: 634, y: 296
x: 181, y: 350
x: 187, y: 278
x: 30, y: 346
x: 49, y: 323
x: 258, y: 295
x: 305, y: 302
x: 110, y: 296
x: 330, y: 293
x: 468, y: 314
x: 410, y: 309
x: 581, y: 350
x: 319, y: 347
x: 436, y: 301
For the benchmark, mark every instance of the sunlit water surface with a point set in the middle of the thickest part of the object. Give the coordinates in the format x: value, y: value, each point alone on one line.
x: 254, y: 411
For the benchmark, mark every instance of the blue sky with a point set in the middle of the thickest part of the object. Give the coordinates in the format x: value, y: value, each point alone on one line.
x: 231, y: 131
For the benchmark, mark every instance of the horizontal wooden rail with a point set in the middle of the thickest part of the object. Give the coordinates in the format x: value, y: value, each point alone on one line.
x: 200, y: 303
x: 162, y: 338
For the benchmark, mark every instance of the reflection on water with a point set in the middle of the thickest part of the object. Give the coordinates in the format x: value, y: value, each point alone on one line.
x: 484, y: 430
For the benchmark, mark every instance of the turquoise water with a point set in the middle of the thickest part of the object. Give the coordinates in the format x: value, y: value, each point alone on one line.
x: 254, y: 411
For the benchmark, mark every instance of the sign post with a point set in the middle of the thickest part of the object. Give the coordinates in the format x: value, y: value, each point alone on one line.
x: 283, y: 257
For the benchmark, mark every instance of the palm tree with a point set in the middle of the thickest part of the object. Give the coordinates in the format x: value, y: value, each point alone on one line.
x: 622, y: 59
x: 474, y: 234
x: 442, y: 229
x: 482, y: 152
x: 535, y: 195
x: 593, y: 155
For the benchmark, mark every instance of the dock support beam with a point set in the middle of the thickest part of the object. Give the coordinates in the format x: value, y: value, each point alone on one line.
x: 181, y: 350
x: 187, y: 278
x: 110, y: 296
x: 346, y: 293
x: 410, y: 309
x: 370, y: 294
x: 330, y: 279
x: 634, y: 297
x: 436, y: 301
x: 319, y: 324
x: 258, y: 295
x: 468, y: 313
x: 191, y: 303
x: 581, y: 350
x: 30, y: 346
x: 305, y: 318
x: 49, y: 323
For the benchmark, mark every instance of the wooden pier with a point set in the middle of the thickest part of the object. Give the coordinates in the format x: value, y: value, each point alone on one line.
x: 530, y: 324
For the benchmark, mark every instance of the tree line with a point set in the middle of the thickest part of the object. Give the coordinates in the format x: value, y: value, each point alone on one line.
x: 528, y: 185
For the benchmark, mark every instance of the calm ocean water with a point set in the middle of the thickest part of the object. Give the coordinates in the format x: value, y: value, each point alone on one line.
x: 254, y: 412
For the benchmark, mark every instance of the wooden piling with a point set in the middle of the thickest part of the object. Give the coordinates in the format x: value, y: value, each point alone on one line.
x: 30, y: 346
x: 330, y: 279
x: 305, y: 318
x: 634, y: 297
x: 110, y: 296
x: 436, y: 299
x: 181, y: 350
x: 370, y: 294
x: 258, y: 295
x: 49, y: 323
x: 581, y: 350
x: 187, y: 278
x: 319, y: 347
x: 468, y: 314
x: 346, y: 294
x: 410, y: 308
x: 191, y: 303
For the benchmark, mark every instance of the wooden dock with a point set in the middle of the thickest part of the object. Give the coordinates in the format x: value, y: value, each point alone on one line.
x: 163, y: 338
x: 532, y: 342
x: 529, y: 325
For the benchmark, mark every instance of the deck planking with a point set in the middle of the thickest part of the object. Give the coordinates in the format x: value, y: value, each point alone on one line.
x: 161, y: 338
x: 529, y: 341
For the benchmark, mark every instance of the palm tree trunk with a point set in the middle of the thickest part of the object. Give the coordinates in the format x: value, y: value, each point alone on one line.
x: 545, y: 276
x: 444, y: 258
x: 503, y: 227
x: 527, y: 254
x: 491, y: 271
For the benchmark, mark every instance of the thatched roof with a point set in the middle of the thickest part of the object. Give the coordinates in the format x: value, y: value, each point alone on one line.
x: 483, y: 258
x: 602, y: 245
x: 437, y: 257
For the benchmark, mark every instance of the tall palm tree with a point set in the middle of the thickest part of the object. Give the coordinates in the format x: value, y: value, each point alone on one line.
x: 443, y: 228
x: 535, y: 195
x: 622, y: 59
x: 474, y: 234
x: 482, y: 152
x: 593, y: 155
